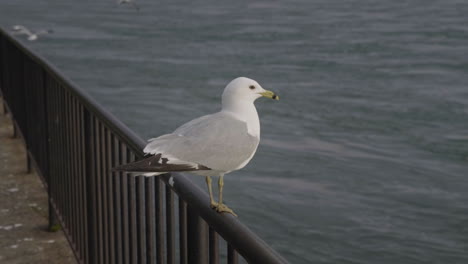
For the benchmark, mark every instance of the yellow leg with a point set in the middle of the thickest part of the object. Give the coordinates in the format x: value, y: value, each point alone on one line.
x: 220, y: 186
x: 213, y: 204
x: 220, y: 208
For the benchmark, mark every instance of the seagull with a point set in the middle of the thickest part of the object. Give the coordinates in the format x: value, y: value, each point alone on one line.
x: 212, y: 145
x: 22, y: 30
x: 130, y: 2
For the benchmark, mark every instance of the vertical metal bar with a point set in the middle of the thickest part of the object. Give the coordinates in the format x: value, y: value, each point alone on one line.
x: 67, y: 175
x: 27, y: 105
x: 117, y: 178
x: 63, y: 160
x: 133, y: 224
x: 55, y: 142
x: 51, y: 181
x: 82, y: 180
x: 98, y: 177
x: 79, y: 189
x: 58, y: 152
x: 59, y: 147
x: 63, y: 131
x: 159, y: 220
x: 51, y: 104
x: 233, y: 258
x: 150, y: 221
x: 60, y: 155
x: 104, y: 186
x: 183, y: 231
x: 23, y: 122
x: 44, y: 154
x: 214, y: 246
x: 110, y: 195
x: 74, y: 176
x: 90, y: 170
x: 125, y: 207
x: 197, y: 237
x: 39, y: 152
x: 170, y: 228
x: 79, y: 178
x: 141, y: 219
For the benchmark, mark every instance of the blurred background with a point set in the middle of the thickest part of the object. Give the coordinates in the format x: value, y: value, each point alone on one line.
x: 365, y: 157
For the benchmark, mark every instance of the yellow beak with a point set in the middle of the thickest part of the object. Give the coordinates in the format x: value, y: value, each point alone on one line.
x: 270, y: 94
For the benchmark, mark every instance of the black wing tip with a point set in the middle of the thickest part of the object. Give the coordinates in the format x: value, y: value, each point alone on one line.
x: 155, y: 163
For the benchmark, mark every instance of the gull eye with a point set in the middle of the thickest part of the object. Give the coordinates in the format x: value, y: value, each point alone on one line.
x: 252, y: 87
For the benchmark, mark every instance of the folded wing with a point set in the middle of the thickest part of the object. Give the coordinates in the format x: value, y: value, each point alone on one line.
x: 214, y: 142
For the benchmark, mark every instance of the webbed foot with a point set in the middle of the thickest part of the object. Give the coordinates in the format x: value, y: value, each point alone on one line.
x: 222, y: 208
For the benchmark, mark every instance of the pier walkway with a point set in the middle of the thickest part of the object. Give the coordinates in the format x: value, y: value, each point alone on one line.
x: 23, y: 208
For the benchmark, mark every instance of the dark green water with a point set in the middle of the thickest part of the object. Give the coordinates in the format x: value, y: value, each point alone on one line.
x: 364, y: 159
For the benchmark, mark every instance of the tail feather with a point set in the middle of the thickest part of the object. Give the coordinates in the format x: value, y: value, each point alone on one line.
x: 156, y: 163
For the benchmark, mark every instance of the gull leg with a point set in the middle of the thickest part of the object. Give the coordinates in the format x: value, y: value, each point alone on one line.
x: 220, y: 208
x: 213, y: 204
x: 220, y: 186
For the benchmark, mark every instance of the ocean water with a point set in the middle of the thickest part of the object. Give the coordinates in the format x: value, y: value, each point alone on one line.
x: 365, y: 157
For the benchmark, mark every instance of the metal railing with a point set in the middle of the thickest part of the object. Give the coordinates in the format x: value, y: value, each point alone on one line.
x: 111, y: 217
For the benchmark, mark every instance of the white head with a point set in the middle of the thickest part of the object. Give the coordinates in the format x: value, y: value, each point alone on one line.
x: 17, y: 27
x: 244, y: 90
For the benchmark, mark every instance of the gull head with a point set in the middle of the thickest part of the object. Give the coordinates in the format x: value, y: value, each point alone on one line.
x: 247, y: 90
x: 17, y: 27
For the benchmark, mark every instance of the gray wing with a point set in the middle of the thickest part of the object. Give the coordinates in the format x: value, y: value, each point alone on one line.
x: 218, y: 141
x: 18, y: 29
x: 44, y: 31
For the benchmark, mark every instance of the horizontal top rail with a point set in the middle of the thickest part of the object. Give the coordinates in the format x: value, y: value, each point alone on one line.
x: 248, y: 244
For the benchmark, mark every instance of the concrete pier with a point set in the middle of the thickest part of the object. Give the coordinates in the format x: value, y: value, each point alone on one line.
x: 23, y: 208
